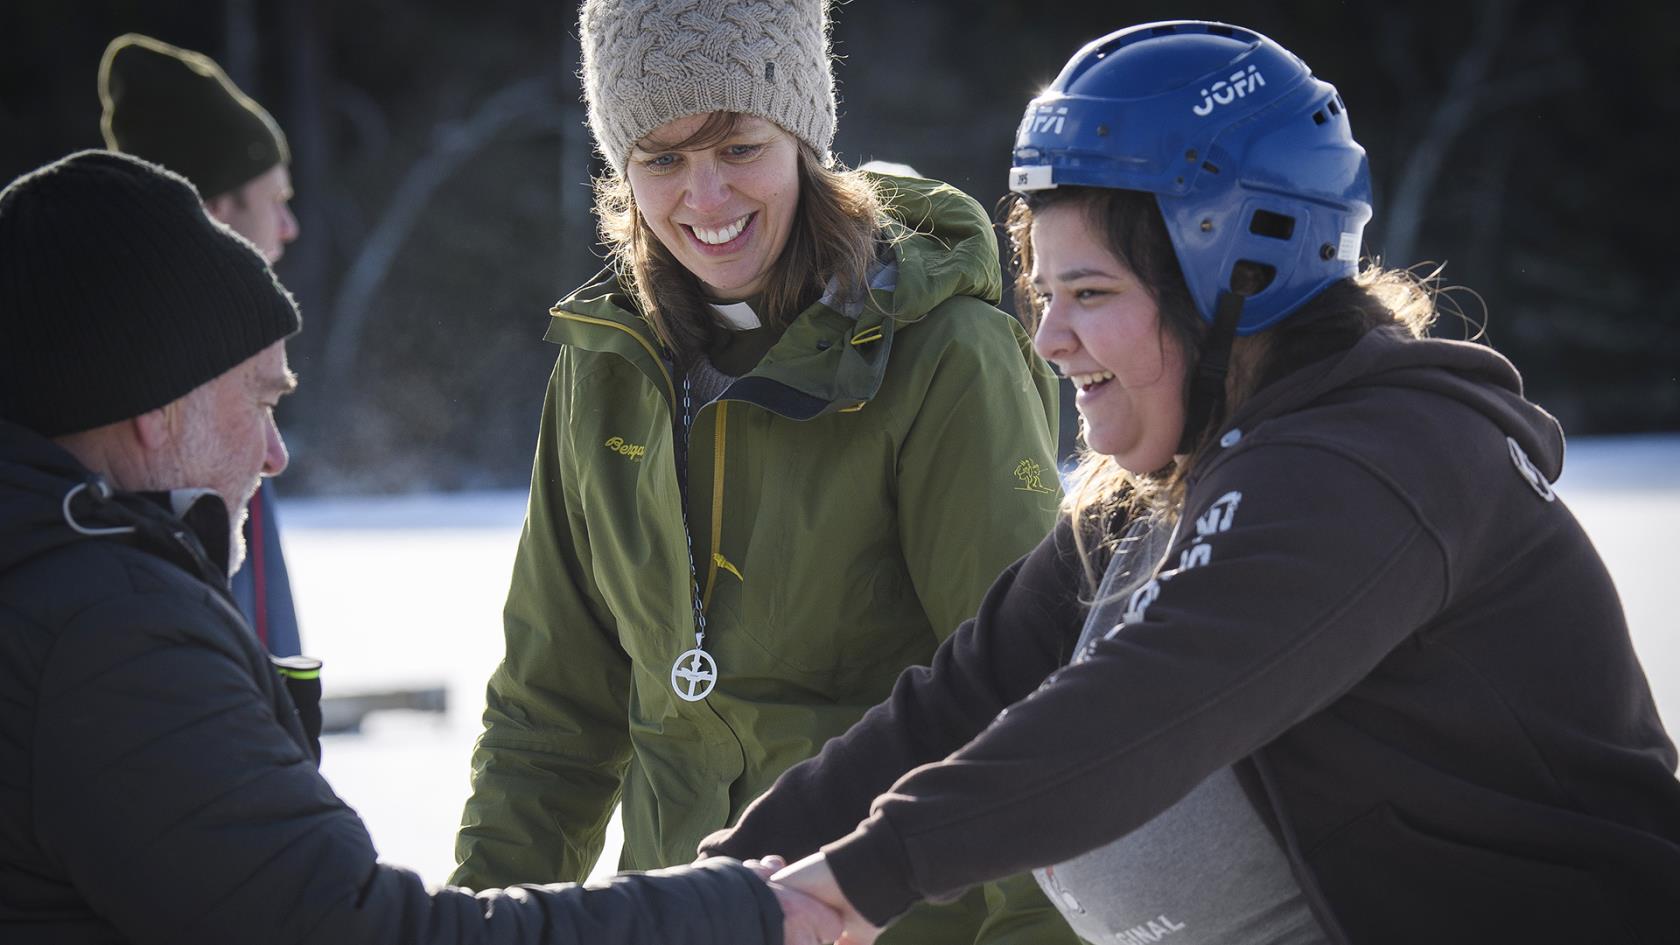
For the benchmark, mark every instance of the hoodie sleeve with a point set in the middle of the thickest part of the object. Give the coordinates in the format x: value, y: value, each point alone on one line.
x: 182, y: 811
x: 1294, y: 573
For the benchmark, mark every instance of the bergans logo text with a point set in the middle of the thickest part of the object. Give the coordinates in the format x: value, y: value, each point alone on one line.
x: 634, y: 451
x: 1226, y: 91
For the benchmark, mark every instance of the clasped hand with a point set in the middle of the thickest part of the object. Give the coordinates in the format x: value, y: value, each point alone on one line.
x: 814, y: 911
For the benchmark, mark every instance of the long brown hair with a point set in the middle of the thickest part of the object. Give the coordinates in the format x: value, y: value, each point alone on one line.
x: 833, y: 239
x: 1099, y: 491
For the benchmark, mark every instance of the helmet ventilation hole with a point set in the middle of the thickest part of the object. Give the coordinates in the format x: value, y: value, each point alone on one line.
x: 1318, y: 117
x: 1274, y: 225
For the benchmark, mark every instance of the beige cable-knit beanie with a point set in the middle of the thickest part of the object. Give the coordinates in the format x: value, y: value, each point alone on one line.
x: 647, y: 62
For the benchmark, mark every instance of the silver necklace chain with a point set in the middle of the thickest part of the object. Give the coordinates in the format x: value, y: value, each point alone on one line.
x: 688, y: 533
x: 695, y: 672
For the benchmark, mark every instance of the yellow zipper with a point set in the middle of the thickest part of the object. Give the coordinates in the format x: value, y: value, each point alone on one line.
x: 717, y: 505
x: 670, y: 389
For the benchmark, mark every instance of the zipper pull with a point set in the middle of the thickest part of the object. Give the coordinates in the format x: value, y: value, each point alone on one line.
x: 722, y: 562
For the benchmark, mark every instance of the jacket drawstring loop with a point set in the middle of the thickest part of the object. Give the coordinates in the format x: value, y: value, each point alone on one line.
x: 101, y: 492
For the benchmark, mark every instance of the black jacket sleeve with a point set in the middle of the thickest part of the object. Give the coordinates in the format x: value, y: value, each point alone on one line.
x: 1026, y: 625
x: 1295, y: 571
x: 184, y: 810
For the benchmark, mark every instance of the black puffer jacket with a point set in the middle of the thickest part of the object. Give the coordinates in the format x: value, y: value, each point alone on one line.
x: 156, y: 784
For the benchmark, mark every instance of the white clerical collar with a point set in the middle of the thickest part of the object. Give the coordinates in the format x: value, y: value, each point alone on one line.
x: 739, y: 315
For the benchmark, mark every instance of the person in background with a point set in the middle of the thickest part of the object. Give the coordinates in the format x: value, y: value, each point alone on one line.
x: 788, y: 441
x: 177, y: 108
x: 1315, y: 652
x: 156, y: 781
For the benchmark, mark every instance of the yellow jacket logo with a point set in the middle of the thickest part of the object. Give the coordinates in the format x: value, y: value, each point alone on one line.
x: 1031, y: 475
x: 635, y: 451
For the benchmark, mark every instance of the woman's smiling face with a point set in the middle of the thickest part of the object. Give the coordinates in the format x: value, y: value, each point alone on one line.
x: 1100, y: 326
x: 724, y: 210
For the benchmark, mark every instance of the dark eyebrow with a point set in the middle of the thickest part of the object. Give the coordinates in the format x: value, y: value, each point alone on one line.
x: 1070, y: 275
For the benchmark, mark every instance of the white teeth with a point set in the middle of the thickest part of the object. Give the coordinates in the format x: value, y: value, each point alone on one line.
x: 1088, y: 381
x: 720, y: 236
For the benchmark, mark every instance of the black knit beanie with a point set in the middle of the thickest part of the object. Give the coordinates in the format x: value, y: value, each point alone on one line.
x: 119, y: 294
x: 176, y: 107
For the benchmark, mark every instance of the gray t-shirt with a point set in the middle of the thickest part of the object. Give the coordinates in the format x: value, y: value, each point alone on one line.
x: 1204, y: 872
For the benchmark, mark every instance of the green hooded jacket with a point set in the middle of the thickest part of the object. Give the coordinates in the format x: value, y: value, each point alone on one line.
x: 849, y: 501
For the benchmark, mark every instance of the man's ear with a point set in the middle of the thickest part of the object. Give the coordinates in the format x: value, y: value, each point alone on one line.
x: 218, y: 206
x: 156, y: 429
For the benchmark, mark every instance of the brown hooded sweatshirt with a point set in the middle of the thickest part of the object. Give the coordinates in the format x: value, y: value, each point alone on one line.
x: 1375, y: 608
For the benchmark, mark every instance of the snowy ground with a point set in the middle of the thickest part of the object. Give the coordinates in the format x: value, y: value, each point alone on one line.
x: 407, y: 593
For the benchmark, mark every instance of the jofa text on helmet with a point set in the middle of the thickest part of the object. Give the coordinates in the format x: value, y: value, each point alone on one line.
x: 1045, y: 119
x: 1226, y: 91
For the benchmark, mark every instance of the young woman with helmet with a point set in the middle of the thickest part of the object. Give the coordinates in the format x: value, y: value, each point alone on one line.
x: 1315, y: 653
x: 788, y: 443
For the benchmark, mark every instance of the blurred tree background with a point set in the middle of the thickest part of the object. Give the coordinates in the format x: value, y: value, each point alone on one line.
x: 441, y: 164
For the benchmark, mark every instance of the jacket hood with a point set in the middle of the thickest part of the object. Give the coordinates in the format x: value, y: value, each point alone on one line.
x: 937, y: 244
x: 1472, y: 374
x: 35, y: 475
x: 48, y: 499
x: 943, y: 244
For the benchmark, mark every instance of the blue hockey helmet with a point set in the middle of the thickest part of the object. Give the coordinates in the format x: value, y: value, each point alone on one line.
x: 1249, y: 156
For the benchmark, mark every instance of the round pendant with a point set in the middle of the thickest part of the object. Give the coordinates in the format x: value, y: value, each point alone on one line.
x: 694, y: 675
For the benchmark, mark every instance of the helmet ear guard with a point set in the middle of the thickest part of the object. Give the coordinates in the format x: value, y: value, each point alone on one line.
x: 1251, y: 159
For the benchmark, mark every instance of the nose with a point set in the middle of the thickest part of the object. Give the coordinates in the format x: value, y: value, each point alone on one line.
x: 1054, y: 340
x: 708, y: 190
x: 288, y: 224
x: 275, y: 456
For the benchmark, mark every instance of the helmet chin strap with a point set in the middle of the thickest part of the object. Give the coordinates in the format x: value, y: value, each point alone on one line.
x: 1207, y: 388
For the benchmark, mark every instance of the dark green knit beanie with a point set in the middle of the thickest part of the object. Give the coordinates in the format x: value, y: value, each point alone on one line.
x: 177, y: 108
x: 119, y: 294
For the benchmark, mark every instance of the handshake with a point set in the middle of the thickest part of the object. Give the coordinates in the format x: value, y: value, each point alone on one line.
x: 814, y: 911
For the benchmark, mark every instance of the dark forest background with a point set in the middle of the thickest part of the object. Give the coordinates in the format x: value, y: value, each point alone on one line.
x: 441, y: 163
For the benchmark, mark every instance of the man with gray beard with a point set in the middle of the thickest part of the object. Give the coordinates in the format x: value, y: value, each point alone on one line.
x: 157, y: 782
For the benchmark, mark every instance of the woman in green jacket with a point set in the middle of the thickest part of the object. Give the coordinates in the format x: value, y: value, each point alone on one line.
x: 787, y: 443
